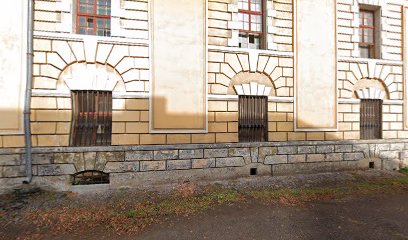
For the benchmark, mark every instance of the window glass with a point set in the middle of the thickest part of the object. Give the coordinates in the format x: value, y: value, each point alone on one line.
x: 250, y: 16
x: 367, y: 34
x: 93, y: 17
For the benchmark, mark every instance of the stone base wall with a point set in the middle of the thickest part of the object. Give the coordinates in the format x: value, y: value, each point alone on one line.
x: 144, y: 166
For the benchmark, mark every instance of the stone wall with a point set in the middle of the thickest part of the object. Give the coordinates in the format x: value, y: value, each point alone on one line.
x: 142, y: 166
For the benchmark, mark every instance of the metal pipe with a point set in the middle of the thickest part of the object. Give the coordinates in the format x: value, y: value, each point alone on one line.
x: 27, y: 102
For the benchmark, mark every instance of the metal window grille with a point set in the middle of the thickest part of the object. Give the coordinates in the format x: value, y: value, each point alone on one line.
x: 93, y: 17
x: 91, y: 118
x: 90, y: 177
x: 371, y: 119
x: 253, y: 118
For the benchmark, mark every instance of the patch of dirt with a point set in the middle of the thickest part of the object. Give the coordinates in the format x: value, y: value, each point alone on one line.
x: 33, y: 213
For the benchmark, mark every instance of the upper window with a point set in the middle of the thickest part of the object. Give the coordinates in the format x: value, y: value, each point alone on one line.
x: 368, y: 32
x: 250, y: 17
x: 93, y: 17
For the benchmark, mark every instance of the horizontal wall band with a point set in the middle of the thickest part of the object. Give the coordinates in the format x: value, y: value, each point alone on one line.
x: 366, y: 60
x: 79, y: 37
x: 5, y: 151
x: 54, y: 93
x: 247, y: 51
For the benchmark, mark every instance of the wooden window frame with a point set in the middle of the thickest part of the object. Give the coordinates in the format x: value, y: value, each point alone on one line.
x: 260, y: 34
x: 370, y: 46
x: 94, y: 16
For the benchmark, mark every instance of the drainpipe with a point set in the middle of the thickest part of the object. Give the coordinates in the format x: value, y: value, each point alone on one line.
x: 27, y: 102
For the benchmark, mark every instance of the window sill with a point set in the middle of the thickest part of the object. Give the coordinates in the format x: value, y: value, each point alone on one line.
x: 367, y: 60
x: 247, y: 50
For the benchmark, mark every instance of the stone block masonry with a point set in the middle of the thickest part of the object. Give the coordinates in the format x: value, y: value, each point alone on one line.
x: 135, y: 166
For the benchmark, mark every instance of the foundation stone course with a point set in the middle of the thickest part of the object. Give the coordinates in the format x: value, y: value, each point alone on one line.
x: 230, y: 162
x: 205, y: 160
x: 191, y: 153
x: 215, y: 153
x: 165, y: 154
x: 178, y: 164
x: 56, y: 170
x: 276, y: 159
x: 325, y: 149
x: 152, y: 166
x: 117, y: 167
x: 10, y: 160
x: 353, y: 156
x: 139, y: 155
x: 203, y: 163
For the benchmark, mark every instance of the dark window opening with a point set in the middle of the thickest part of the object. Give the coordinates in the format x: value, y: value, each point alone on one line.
x: 251, y: 27
x: 371, y: 119
x: 93, y: 17
x: 90, y: 177
x: 253, y: 118
x: 91, y: 118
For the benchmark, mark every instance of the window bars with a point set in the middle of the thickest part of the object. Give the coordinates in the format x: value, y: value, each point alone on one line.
x: 91, y: 118
x: 90, y: 177
x: 253, y: 118
x: 371, y: 119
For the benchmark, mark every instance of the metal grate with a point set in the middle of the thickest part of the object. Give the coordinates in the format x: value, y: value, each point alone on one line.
x: 90, y: 177
x: 91, y: 118
x: 371, y: 119
x: 253, y: 118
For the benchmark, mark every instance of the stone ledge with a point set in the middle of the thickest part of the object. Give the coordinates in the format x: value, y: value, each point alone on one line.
x: 4, y: 151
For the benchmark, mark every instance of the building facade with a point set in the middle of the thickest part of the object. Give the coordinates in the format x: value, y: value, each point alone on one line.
x: 138, y: 92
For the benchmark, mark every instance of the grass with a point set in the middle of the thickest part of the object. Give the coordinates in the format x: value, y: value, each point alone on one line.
x: 125, y: 215
x: 404, y: 171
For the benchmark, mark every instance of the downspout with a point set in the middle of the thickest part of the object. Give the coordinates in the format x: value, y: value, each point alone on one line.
x: 27, y: 102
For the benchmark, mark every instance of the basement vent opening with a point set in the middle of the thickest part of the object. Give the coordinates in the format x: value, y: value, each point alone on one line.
x: 371, y: 165
x: 90, y: 177
x: 253, y: 171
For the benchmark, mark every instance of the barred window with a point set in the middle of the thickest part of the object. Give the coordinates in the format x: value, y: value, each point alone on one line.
x: 367, y: 34
x: 371, y: 119
x: 250, y: 17
x: 253, y: 118
x: 91, y: 118
x: 93, y: 17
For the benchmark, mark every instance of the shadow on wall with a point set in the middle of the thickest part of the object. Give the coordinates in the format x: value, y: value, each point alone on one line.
x: 165, y: 117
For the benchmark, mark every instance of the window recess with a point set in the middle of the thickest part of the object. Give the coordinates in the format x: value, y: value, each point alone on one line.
x: 91, y: 118
x: 93, y: 17
x: 371, y: 119
x: 251, y: 29
x: 253, y: 118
